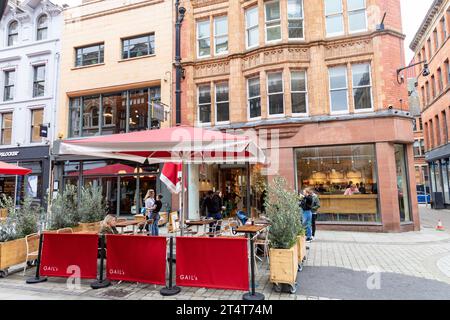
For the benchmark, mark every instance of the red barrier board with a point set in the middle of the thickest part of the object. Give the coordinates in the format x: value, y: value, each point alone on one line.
x: 69, y: 255
x: 136, y: 258
x: 220, y: 263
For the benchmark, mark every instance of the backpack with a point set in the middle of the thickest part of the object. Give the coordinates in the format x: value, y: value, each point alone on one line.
x: 307, y: 203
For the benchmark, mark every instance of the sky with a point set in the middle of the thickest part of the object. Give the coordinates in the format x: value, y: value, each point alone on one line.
x: 413, y: 12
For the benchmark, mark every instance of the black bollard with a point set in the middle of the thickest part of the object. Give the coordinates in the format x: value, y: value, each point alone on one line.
x: 37, y: 278
x: 170, y: 290
x: 101, y: 282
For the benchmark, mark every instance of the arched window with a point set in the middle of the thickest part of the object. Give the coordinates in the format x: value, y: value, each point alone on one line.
x: 42, y: 27
x: 13, y: 33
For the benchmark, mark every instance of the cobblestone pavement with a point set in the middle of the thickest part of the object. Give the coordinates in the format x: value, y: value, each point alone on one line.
x: 340, y: 265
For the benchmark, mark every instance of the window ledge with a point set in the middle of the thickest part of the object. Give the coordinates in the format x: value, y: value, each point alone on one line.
x: 89, y: 66
x: 136, y: 58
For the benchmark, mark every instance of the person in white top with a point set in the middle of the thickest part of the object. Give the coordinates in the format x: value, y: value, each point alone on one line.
x: 149, y: 203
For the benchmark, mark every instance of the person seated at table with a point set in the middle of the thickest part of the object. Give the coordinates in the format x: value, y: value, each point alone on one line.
x: 351, y: 190
x: 108, y: 225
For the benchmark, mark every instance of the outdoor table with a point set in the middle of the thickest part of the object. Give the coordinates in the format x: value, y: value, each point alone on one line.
x: 199, y: 223
x: 251, y: 230
x: 124, y: 224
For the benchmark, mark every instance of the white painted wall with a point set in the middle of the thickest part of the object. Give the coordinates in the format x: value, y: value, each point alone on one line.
x: 22, y: 57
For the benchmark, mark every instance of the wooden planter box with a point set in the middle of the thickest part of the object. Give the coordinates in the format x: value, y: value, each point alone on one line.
x: 14, y: 252
x: 301, y: 245
x: 3, y: 213
x: 82, y: 227
x: 284, y: 265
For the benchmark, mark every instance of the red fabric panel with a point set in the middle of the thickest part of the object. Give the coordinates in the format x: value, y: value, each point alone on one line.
x: 220, y: 263
x: 77, y: 251
x: 136, y: 258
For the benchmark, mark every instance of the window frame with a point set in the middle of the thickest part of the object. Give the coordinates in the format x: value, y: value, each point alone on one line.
x: 38, y: 29
x: 2, y: 129
x: 249, y: 118
x: 250, y: 28
x: 149, y: 41
x: 334, y: 14
x: 9, y: 34
x: 32, y: 126
x: 338, y: 89
x: 266, y: 22
x: 204, y: 124
x: 197, y: 25
x: 215, y: 36
x: 297, y: 114
x: 349, y: 12
x: 278, y: 115
x: 100, y: 45
x: 221, y: 102
x: 36, y: 81
x: 371, y: 109
x: 302, y: 19
x: 5, y: 85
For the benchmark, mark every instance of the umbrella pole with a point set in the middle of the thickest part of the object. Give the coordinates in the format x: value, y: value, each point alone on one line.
x: 182, y: 199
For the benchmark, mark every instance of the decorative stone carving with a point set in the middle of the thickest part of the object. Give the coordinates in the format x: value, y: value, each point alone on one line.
x: 212, y: 69
x: 279, y: 55
x: 346, y: 49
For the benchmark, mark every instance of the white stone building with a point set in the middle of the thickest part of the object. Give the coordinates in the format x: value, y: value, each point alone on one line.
x: 29, y: 67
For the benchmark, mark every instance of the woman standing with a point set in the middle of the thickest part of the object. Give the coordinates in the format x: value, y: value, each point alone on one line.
x: 155, y: 215
x: 149, y: 204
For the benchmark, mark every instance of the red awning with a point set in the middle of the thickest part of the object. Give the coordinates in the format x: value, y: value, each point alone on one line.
x: 10, y: 169
x: 176, y: 144
x: 112, y: 169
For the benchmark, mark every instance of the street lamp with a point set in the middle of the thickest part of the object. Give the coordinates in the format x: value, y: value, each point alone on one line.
x: 180, y: 11
x: 425, y: 72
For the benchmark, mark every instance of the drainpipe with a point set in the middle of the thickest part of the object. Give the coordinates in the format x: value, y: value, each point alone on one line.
x: 179, y: 15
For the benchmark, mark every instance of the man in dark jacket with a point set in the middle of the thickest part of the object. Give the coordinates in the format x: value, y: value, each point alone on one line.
x: 214, y: 206
x: 307, y: 204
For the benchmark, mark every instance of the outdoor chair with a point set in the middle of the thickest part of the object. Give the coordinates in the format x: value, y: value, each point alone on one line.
x: 32, y: 244
x: 216, y: 229
x: 264, y: 243
x: 65, y: 230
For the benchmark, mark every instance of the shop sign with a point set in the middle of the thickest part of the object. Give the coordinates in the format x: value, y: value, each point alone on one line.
x: 43, y: 132
x: 9, y: 154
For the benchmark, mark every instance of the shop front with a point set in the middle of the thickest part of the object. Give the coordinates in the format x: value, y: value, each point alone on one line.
x: 439, y: 164
x: 124, y: 184
x: 34, y: 185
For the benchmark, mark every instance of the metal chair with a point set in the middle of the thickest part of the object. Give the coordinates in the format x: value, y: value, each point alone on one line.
x: 32, y: 244
x: 265, y: 247
x: 216, y: 229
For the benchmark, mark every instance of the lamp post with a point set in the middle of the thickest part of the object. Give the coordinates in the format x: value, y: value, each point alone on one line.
x: 425, y: 72
x: 180, y: 11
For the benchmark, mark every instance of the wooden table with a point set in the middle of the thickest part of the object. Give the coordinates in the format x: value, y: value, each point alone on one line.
x: 199, y: 223
x: 250, y: 228
x: 124, y: 224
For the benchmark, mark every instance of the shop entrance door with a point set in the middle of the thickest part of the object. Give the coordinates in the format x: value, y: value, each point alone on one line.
x: 233, y: 184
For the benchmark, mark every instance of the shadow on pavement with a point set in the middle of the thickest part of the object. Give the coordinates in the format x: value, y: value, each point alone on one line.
x: 340, y: 283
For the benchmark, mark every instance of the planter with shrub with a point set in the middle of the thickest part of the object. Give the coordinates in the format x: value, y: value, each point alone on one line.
x: 283, y: 212
x: 92, y: 208
x: 19, y: 223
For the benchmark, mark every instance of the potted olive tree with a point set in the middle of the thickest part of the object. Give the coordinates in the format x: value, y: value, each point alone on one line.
x: 282, y: 208
x: 21, y: 221
x: 92, y: 208
x: 63, y: 209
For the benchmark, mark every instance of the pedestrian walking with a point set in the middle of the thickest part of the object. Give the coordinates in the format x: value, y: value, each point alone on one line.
x: 155, y: 215
x: 306, y: 205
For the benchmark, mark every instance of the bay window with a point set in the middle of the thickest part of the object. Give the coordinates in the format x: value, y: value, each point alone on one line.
x: 203, y: 39
x: 273, y: 21
x: 221, y: 35
x: 362, y: 87
x: 356, y: 15
x: 252, y: 31
x: 275, y: 93
x: 299, y: 94
x: 222, y: 102
x: 295, y: 19
x: 338, y: 89
x: 204, y: 104
x: 334, y: 15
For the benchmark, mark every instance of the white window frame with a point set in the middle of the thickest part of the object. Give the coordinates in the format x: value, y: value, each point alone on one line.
x: 33, y: 69
x: 199, y: 123
x: 31, y: 123
x: 338, y: 89
x: 302, y: 19
x: 296, y: 114
x: 47, y: 27
x: 357, y: 10
x: 218, y: 36
x: 281, y: 115
x: 252, y: 27
x: 4, y: 84
x: 1, y: 127
x: 357, y: 87
x: 272, y: 21
x: 8, y: 33
x: 249, y: 118
x: 334, y: 14
x: 215, y: 102
x: 198, y: 39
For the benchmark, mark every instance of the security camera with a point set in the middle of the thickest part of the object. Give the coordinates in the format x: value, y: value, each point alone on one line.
x: 391, y: 107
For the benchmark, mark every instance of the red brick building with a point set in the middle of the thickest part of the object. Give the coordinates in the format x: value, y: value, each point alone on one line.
x: 320, y: 77
x: 432, y: 43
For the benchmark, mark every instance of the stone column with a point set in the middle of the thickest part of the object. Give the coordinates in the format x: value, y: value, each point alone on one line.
x: 387, y: 187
